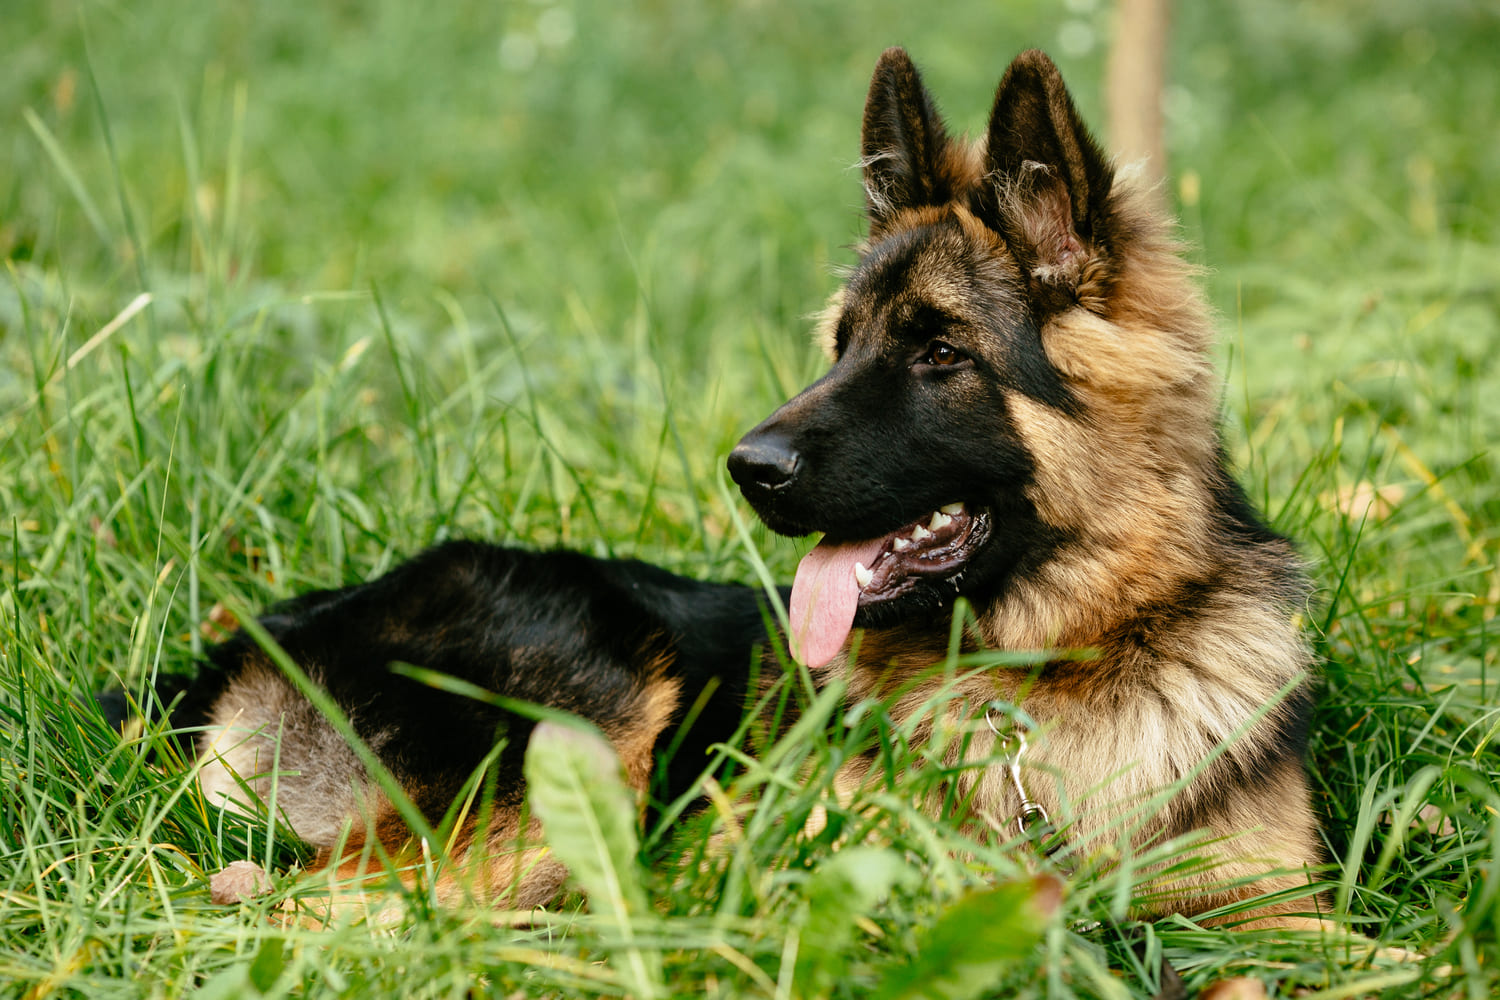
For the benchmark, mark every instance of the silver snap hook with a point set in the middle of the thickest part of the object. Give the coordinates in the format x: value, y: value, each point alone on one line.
x: 1032, y: 820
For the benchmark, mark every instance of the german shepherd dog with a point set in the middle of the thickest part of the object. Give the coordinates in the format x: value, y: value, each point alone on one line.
x: 1021, y: 411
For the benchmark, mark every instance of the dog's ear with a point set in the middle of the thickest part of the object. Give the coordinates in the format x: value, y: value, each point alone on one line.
x: 903, y: 144
x: 1047, y: 184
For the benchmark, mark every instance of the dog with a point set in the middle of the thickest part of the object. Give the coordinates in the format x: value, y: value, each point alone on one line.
x: 1020, y: 411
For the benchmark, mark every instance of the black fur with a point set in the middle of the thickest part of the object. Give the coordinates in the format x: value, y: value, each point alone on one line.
x: 903, y: 141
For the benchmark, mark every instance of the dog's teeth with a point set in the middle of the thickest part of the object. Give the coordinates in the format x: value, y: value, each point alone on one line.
x: 952, y: 508
x: 863, y: 576
x: 939, y: 520
x: 901, y: 544
x: 920, y: 533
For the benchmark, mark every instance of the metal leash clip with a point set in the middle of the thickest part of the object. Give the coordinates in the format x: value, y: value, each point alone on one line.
x: 1032, y: 821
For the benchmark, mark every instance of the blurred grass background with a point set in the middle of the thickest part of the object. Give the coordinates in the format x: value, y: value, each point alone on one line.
x: 527, y: 270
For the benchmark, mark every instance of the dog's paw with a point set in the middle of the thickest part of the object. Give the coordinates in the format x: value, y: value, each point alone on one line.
x: 238, y: 882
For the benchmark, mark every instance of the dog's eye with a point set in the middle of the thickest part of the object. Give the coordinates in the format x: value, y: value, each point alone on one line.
x: 939, y: 353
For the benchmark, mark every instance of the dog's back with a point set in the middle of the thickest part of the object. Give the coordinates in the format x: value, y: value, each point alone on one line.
x: 622, y: 644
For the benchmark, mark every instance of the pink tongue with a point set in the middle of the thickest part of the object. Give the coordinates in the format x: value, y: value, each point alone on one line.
x: 824, y: 596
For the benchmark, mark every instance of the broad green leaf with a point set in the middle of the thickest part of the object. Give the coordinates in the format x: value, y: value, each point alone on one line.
x: 230, y: 984
x: 975, y: 941
x: 847, y: 886
x: 577, y: 789
x: 266, y: 968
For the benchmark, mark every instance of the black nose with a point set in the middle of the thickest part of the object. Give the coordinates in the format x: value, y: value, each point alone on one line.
x: 763, y: 461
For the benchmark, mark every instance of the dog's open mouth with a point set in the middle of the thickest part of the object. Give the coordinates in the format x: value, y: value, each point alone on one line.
x: 836, y: 579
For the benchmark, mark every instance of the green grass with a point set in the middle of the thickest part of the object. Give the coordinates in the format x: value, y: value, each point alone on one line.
x: 525, y: 272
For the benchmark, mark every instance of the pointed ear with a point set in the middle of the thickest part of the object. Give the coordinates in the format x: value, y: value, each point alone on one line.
x: 1049, y: 181
x: 903, y: 143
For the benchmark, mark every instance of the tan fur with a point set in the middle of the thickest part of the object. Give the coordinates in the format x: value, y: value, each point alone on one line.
x: 652, y: 709
x: 961, y: 166
x: 825, y: 321
x: 261, y: 722
x: 508, y: 869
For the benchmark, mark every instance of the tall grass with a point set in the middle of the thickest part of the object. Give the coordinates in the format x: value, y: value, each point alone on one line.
x: 293, y: 291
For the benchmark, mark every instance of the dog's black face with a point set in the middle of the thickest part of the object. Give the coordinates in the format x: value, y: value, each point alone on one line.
x: 909, y: 438
x: 909, y: 455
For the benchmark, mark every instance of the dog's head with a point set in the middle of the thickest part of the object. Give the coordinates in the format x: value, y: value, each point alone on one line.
x: 972, y: 348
